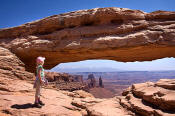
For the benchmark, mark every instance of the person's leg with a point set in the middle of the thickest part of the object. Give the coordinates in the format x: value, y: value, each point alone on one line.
x: 37, y: 95
x: 39, y: 100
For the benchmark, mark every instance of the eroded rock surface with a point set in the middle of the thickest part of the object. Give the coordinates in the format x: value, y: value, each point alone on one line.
x: 91, y: 81
x: 17, y: 94
x: 11, y: 71
x: 118, y: 34
x: 11, y: 66
x: 151, y: 99
x: 63, y: 77
x: 101, y: 82
x: 65, y: 81
x: 61, y: 103
x: 145, y: 99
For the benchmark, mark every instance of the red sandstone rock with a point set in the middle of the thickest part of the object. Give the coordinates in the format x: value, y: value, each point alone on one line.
x: 17, y: 95
x: 91, y: 81
x: 64, y: 81
x: 101, y: 82
x: 12, y: 67
x: 63, y: 77
x: 117, y: 34
x: 150, y: 99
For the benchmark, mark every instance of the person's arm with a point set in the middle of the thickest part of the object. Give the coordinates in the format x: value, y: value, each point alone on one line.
x: 39, y: 75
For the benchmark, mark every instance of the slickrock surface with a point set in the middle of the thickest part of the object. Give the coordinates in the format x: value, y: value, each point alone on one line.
x: 119, y: 34
x: 57, y: 103
x: 17, y: 95
x: 151, y: 99
x: 145, y: 99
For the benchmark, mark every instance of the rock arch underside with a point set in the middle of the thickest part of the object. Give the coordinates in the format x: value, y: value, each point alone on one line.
x: 117, y: 34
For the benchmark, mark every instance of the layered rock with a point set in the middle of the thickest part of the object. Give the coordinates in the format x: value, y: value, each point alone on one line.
x: 117, y: 34
x: 11, y: 71
x: 12, y: 67
x: 91, y: 81
x: 101, y: 82
x: 65, y: 81
x: 63, y: 77
x: 145, y: 99
x: 17, y: 98
x: 151, y: 99
x: 78, y: 78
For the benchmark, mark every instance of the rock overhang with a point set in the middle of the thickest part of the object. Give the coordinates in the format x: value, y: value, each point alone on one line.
x: 102, y: 33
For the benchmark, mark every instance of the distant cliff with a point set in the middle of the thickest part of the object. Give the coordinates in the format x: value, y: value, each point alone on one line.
x: 63, y: 77
x: 65, y: 81
x: 91, y: 81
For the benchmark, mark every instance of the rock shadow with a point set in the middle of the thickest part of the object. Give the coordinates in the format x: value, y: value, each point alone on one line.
x: 22, y: 106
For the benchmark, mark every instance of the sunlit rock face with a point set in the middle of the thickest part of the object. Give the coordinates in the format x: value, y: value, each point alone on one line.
x: 11, y: 67
x: 117, y: 34
x: 150, y: 99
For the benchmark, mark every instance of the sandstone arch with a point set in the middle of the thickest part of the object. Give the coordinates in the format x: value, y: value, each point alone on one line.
x: 102, y: 33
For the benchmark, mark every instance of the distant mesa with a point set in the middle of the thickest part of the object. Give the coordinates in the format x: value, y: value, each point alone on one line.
x: 91, y: 81
x: 68, y: 82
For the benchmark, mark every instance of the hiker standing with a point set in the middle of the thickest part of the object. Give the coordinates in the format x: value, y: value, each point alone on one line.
x: 39, y: 81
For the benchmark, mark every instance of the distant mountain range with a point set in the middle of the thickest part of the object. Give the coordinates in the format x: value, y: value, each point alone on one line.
x: 85, y: 69
x: 95, y: 69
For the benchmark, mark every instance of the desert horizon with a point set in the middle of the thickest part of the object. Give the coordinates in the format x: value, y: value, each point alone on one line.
x: 118, y: 81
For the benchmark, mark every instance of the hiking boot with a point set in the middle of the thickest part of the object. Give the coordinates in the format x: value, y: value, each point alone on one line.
x: 41, y: 103
x: 37, y: 105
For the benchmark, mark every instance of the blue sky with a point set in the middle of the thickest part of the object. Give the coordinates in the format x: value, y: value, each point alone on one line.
x: 17, y: 12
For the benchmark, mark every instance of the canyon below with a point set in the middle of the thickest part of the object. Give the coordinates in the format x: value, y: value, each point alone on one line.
x: 117, y: 82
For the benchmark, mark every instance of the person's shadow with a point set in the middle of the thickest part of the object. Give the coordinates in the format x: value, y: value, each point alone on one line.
x: 22, y: 106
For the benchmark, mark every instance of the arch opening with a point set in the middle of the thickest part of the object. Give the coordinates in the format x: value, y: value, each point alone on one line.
x: 117, y: 76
